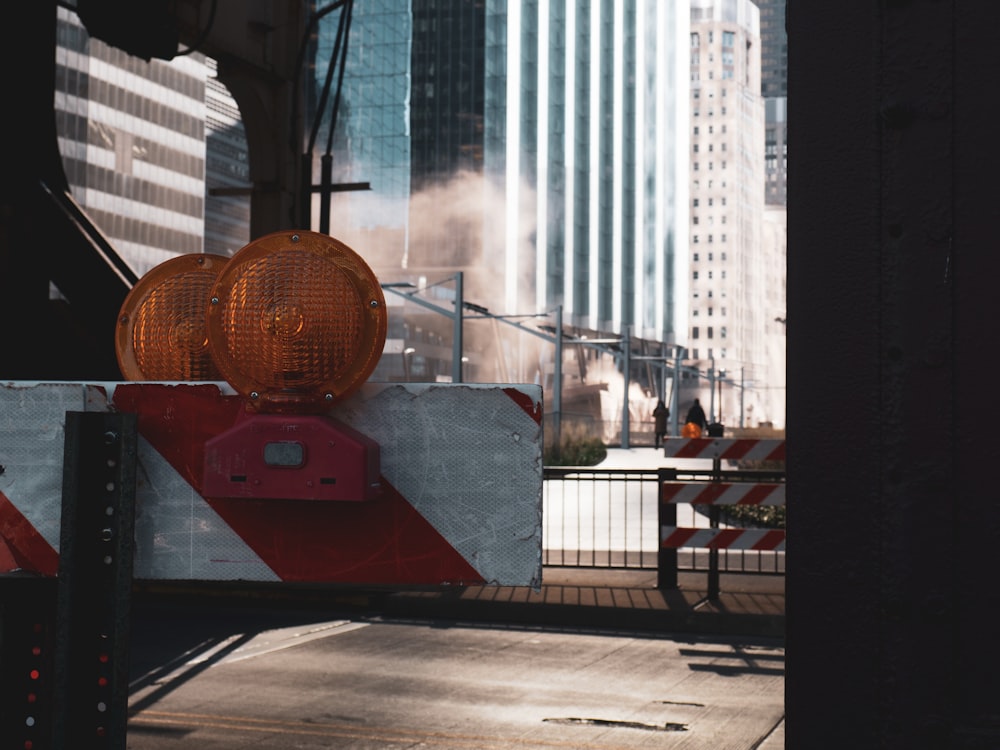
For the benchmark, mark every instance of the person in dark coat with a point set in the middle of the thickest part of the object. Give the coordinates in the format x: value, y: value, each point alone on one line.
x: 696, y: 415
x: 660, y: 415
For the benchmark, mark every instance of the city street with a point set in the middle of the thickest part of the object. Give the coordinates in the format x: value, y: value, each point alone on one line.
x: 234, y: 677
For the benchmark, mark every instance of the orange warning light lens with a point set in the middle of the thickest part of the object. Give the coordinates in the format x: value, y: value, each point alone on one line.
x: 161, y: 332
x: 297, y: 319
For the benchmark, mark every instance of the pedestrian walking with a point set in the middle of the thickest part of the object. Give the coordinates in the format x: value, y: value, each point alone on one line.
x: 696, y: 416
x: 660, y: 415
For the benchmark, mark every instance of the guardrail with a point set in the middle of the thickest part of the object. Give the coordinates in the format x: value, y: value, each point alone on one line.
x: 614, y: 518
x: 719, y: 489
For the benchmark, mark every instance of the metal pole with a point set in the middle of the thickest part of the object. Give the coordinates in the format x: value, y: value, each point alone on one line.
x: 456, y: 355
x: 742, y: 391
x: 557, y: 385
x: 626, y: 364
x: 711, y: 390
x: 675, y: 399
x: 722, y: 376
x: 666, y: 559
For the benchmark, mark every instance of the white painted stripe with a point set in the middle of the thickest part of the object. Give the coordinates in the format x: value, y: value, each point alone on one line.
x: 733, y: 494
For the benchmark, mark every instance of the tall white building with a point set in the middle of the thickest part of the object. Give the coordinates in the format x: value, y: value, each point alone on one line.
x: 586, y: 114
x: 736, y: 280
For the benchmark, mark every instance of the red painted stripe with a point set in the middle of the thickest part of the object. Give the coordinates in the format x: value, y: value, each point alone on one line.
x: 382, y: 541
x: 21, y: 546
x: 178, y: 420
x: 771, y: 539
x: 738, y: 449
x: 778, y: 454
x: 710, y: 493
x: 670, y: 490
x: 8, y: 562
x: 694, y: 448
x: 758, y: 493
x: 531, y: 407
x: 678, y: 537
x: 724, y: 538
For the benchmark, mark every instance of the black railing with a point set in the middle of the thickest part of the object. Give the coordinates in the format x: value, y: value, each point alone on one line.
x: 611, y: 518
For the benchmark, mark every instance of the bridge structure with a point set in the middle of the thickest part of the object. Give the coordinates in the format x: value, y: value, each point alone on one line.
x: 890, y: 310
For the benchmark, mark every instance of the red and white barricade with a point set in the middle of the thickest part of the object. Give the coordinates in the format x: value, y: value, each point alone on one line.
x: 460, y: 500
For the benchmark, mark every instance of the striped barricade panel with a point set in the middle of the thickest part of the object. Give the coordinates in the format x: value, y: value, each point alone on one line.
x: 460, y: 467
x: 765, y: 449
x: 724, y: 493
x: 675, y: 537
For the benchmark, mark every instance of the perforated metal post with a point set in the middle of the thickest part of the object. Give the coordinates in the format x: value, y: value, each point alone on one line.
x: 95, y: 579
x: 27, y: 637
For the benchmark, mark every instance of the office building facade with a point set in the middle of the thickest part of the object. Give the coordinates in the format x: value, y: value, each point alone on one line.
x: 774, y: 89
x: 132, y: 138
x: 547, y: 148
x: 736, y: 278
x: 145, y: 144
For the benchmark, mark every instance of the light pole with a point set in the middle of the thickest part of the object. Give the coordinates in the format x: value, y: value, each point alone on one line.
x: 722, y: 376
x: 456, y: 315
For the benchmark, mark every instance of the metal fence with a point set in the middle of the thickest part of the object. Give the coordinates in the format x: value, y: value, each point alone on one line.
x: 611, y: 518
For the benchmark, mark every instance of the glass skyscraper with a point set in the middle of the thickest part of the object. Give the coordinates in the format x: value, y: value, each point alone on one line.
x: 539, y: 147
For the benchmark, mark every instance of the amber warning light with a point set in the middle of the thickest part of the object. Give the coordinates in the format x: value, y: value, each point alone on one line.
x: 294, y: 322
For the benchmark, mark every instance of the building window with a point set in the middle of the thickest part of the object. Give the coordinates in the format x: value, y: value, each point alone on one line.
x: 694, y: 332
x: 709, y: 331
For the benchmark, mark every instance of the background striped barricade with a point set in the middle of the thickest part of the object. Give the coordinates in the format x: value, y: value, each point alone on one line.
x: 720, y: 487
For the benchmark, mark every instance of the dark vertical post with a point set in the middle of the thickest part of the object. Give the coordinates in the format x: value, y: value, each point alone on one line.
x: 95, y: 579
x: 666, y: 564
x: 713, y: 522
x: 325, y: 192
x: 27, y: 638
